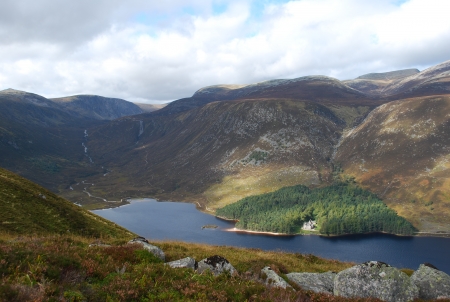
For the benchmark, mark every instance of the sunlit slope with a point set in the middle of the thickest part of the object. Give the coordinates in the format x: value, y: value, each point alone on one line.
x: 402, y: 152
x: 27, y: 208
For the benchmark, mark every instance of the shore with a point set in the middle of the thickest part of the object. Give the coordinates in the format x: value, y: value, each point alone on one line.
x: 257, y: 232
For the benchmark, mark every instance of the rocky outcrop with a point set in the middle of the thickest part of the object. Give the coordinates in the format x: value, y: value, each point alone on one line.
x: 375, y: 279
x: 272, y: 279
x: 432, y: 283
x: 187, y: 262
x: 217, y: 265
x: 149, y: 247
x: 316, y: 282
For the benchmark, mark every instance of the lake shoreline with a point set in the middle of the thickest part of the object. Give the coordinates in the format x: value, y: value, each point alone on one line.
x: 417, y: 234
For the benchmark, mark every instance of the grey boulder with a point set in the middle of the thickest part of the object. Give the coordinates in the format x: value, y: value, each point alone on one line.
x: 375, y: 279
x: 149, y: 247
x: 217, y: 265
x: 319, y: 283
x: 272, y: 278
x: 432, y: 283
x: 187, y: 262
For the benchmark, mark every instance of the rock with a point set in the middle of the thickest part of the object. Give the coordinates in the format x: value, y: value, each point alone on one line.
x: 432, y: 283
x: 217, y: 265
x: 149, y: 247
x: 139, y: 238
x: 99, y: 245
x: 210, y: 226
x: 375, y: 279
x: 319, y: 283
x: 187, y: 262
x: 273, y: 279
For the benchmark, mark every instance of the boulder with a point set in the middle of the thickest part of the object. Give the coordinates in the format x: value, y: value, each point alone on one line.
x: 319, y: 283
x: 375, y: 279
x: 432, y: 283
x: 273, y: 279
x: 149, y: 247
x: 217, y: 265
x: 187, y: 262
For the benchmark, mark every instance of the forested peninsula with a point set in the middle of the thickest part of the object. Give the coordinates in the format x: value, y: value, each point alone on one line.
x: 338, y: 209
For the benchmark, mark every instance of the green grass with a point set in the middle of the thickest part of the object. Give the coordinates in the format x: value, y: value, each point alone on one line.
x: 27, y: 208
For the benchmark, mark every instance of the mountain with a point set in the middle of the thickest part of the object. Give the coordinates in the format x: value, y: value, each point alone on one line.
x: 405, y: 83
x: 27, y: 208
x: 374, y: 84
x: 43, y: 140
x: 98, y: 107
x: 317, y: 89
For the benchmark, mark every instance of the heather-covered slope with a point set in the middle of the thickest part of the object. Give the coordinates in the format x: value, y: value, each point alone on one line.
x: 26, y: 209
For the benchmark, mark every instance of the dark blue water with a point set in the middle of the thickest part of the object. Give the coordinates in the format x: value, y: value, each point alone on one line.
x: 181, y: 221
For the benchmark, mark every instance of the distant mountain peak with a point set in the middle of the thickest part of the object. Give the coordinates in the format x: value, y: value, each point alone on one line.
x: 391, y: 75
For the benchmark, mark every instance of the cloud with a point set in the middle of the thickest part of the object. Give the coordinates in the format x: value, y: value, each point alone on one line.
x: 164, y: 50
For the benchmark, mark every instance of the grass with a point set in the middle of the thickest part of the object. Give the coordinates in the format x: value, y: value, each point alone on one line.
x: 27, y: 208
x: 257, y: 181
x: 65, y: 268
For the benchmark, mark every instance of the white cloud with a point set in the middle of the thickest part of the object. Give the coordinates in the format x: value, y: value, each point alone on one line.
x: 168, y: 49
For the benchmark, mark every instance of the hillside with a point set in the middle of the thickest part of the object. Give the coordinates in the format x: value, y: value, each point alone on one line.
x: 216, y: 154
x: 27, y: 208
x: 43, y: 140
x: 401, y: 153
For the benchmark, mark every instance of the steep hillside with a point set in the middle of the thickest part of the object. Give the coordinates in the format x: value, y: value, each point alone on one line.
x: 215, y: 154
x: 26, y: 208
x: 98, y: 107
x: 401, y: 152
x: 40, y: 140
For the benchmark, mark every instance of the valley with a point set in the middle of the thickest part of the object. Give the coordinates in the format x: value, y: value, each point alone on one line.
x: 388, y: 133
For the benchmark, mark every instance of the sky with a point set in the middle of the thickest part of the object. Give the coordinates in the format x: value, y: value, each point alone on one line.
x: 159, y: 51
